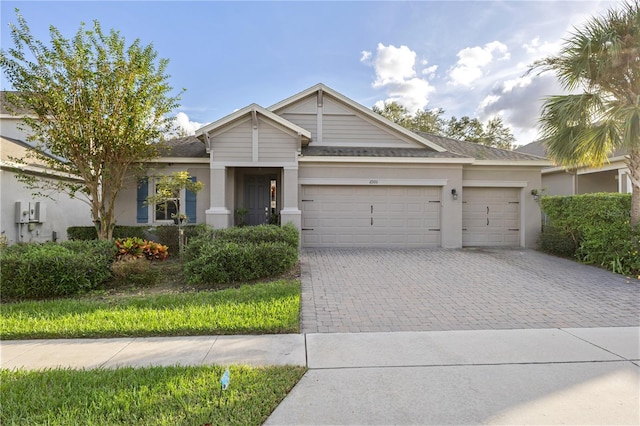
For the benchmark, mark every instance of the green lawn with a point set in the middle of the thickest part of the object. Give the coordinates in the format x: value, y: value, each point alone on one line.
x: 251, y: 309
x: 143, y: 396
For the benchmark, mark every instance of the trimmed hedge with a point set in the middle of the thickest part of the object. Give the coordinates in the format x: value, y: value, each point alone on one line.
x: 594, y: 229
x: 240, y: 254
x: 85, y: 233
x: 37, y: 271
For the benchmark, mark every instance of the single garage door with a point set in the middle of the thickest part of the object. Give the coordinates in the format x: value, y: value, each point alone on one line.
x: 491, y: 217
x: 370, y: 216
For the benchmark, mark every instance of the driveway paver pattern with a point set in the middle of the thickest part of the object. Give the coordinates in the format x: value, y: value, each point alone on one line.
x: 378, y: 290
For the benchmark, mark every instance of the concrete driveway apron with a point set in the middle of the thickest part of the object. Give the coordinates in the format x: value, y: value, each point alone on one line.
x: 374, y: 290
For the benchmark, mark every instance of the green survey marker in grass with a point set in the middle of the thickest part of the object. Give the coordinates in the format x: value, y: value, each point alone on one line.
x: 267, y: 308
x: 153, y: 396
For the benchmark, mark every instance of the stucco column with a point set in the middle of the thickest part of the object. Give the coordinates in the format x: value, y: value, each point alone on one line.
x: 290, y: 211
x: 218, y: 215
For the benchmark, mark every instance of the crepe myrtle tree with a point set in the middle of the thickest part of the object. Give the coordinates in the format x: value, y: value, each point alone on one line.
x: 599, y: 65
x: 95, y: 107
x: 168, y: 189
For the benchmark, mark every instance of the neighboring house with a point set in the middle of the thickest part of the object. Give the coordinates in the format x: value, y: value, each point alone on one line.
x: 23, y: 217
x: 611, y: 177
x: 347, y: 177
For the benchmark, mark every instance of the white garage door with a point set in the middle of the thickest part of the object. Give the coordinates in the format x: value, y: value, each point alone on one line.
x: 370, y: 216
x: 491, y: 217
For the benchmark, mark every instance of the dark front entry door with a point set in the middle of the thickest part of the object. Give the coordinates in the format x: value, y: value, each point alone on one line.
x: 257, y: 197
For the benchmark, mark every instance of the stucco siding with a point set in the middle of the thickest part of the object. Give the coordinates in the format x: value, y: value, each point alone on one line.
x: 605, y: 181
x: 126, y: 203
x: 560, y: 183
x: 234, y: 144
x: 61, y: 213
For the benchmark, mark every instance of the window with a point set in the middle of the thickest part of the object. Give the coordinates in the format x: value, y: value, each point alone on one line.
x: 169, y: 209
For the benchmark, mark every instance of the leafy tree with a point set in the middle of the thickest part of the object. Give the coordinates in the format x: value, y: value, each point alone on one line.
x: 494, y: 133
x: 601, y: 60
x: 96, y: 106
x: 395, y: 112
x: 168, y: 190
x: 465, y: 129
x: 421, y: 121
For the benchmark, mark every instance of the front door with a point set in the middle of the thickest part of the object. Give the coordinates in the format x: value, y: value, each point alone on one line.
x: 257, y: 196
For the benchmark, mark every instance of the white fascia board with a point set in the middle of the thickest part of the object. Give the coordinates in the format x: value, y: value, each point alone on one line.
x: 249, y: 110
x: 360, y: 108
x: 185, y: 160
x: 614, y: 163
x: 26, y: 168
x: 373, y: 182
x: 523, y: 163
x: 399, y: 160
x: 495, y: 183
x: 248, y: 164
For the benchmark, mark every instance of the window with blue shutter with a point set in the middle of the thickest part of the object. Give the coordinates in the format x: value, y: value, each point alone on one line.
x: 143, y: 193
x: 190, y: 203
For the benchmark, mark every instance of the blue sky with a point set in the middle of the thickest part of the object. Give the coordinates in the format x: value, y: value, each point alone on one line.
x: 466, y: 57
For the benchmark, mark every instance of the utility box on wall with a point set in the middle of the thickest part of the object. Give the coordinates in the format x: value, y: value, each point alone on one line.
x: 40, y: 212
x: 22, y: 212
x: 31, y: 212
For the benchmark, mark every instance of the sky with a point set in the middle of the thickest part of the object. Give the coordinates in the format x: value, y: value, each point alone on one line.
x: 469, y: 58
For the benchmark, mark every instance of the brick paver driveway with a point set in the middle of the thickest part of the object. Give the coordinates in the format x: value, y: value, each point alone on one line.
x: 364, y: 290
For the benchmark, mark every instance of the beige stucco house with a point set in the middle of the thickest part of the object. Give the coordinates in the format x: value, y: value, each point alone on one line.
x: 558, y: 180
x: 347, y: 177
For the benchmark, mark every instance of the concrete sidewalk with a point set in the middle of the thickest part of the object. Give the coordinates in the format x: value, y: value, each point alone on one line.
x: 531, y: 376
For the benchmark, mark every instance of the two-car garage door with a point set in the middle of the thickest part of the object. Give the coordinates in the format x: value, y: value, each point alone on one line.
x: 370, y: 216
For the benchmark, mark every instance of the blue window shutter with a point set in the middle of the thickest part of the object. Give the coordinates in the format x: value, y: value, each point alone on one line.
x: 190, y: 207
x: 143, y: 192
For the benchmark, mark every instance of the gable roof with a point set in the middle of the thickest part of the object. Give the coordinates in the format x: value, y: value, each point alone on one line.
x: 202, y: 132
x: 345, y: 151
x: 356, y: 106
x: 479, y: 151
x: 7, y: 109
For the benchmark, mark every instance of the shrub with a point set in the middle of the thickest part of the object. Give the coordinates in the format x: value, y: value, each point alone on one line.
x: 134, y: 248
x: 226, y: 262
x: 168, y: 235
x: 36, y: 271
x: 136, y: 271
x: 593, y: 228
x: 89, y: 232
x: 82, y: 233
x: 259, y: 234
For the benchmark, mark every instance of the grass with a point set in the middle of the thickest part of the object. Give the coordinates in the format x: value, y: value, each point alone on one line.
x: 263, y: 308
x: 150, y: 396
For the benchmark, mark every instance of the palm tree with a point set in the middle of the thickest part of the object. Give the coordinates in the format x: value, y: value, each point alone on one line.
x: 602, y: 60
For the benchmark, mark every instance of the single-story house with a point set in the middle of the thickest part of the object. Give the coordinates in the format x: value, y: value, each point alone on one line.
x: 558, y: 180
x: 23, y: 216
x: 346, y: 177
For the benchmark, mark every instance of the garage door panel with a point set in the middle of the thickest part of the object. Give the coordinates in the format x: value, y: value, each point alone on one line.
x: 491, y: 217
x: 342, y: 216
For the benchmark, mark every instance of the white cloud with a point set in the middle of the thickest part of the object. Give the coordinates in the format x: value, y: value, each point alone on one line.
x: 185, y: 125
x: 365, y: 56
x: 430, y: 71
x: 519, y: 101
x: 472, y: 60
x: 395, y: 69
x: 537, y: 50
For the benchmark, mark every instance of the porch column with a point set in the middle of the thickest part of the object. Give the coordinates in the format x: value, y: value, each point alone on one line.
x: 218, y: 215
x: 290, y: 211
